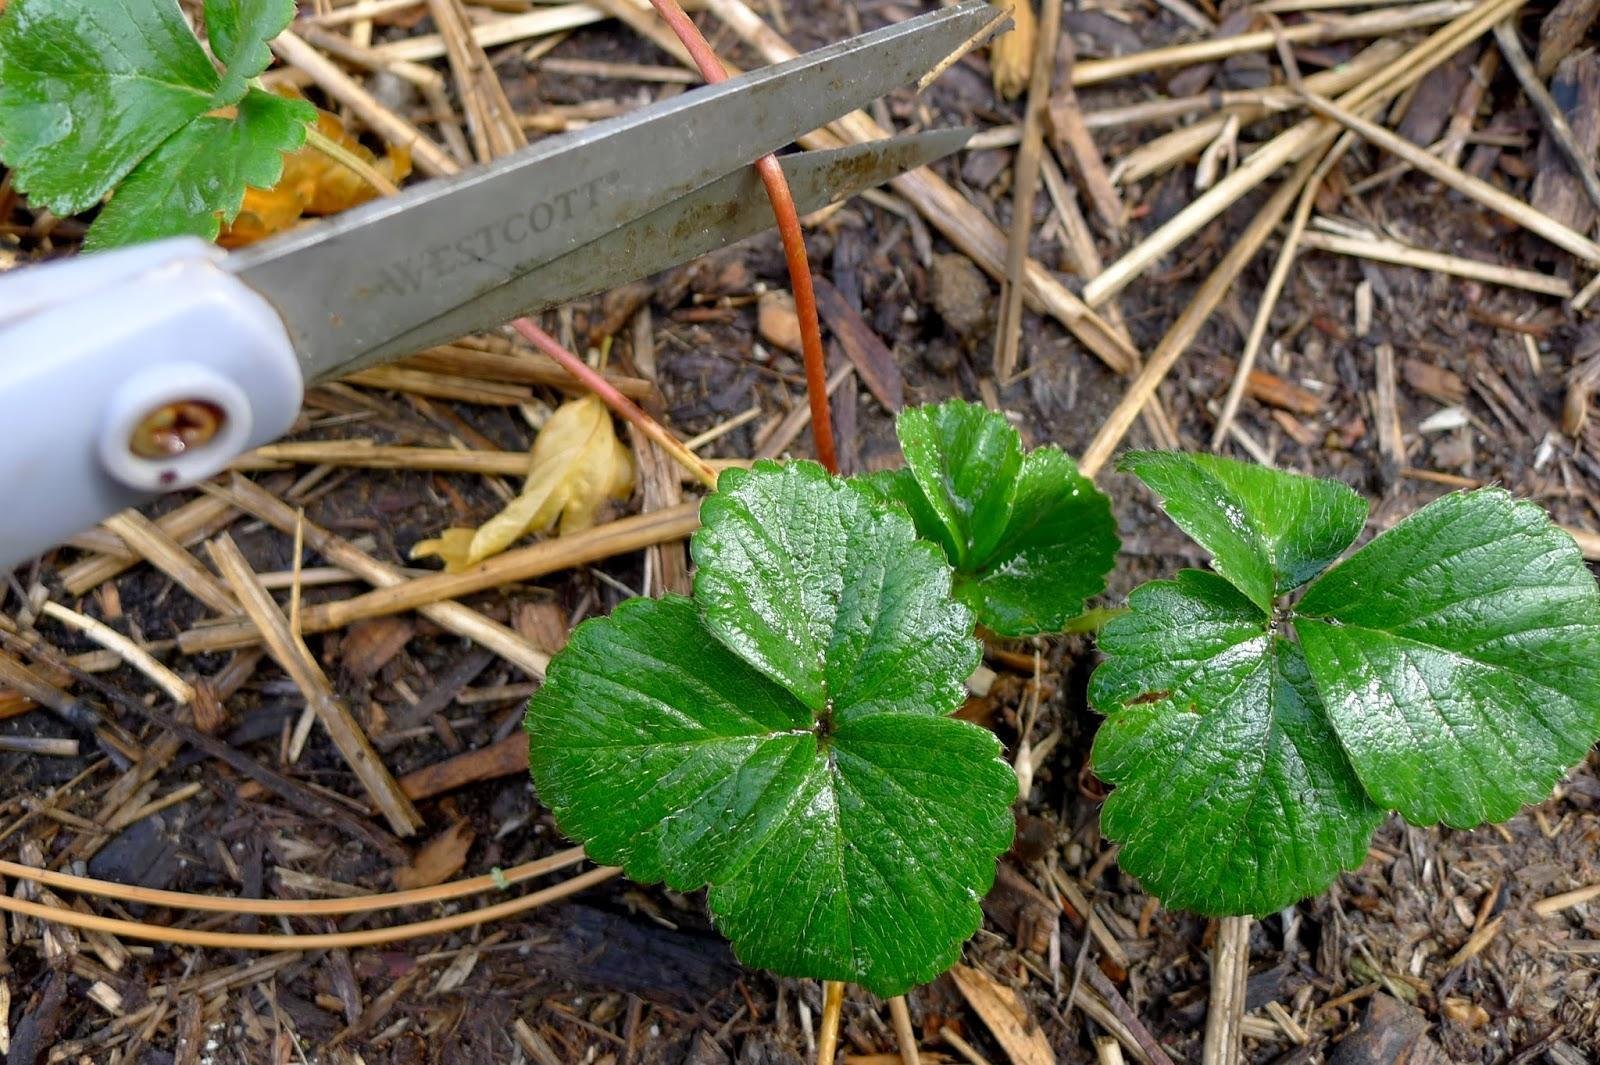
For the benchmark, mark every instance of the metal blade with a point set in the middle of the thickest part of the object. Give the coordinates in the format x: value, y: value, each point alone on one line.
x: 725, y: 211
x: 351, y: 284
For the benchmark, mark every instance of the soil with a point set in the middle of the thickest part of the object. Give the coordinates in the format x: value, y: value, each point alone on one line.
x: 1431, y: 948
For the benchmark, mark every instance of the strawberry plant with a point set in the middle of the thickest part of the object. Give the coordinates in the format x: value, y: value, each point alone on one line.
x: 784, y: 736
x: 1257, y: 733
x: 121, y: 98
x: 1029, y: 536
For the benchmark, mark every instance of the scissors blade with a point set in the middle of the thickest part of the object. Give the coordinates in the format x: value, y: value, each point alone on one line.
x: 727, y: 210
x: 346, y: 286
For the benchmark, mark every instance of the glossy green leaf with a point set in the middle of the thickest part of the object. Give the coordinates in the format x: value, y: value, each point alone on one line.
x: 1030, y: 537
x: 89, y: 88
x: 1268, y: 531
x: 239, y: 31
x: 1232, y: 793
x: 1459, y: 656
x: 782, y: 739
x: 831, y: 594
x: 93, y: 93
x: 198, y: 175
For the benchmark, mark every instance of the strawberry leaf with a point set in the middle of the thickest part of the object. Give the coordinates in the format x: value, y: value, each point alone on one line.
x: 198, y: 175
x: 1450, y: 670
x: 1459, y: 656
x: 830, y: 594
x: 93, y: 95
x: 239, y: 31
x: 1268, y: 531
x: 1030, y: 537
x: 1232, y: 793
x: 782, y: 737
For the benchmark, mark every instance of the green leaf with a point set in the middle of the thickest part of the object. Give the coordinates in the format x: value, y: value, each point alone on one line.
x: 239, y: 31
x: 98, y: 96
x: 846, y: 828
x: 1029, y: 536
x: 830, y: 594
x: 197, y: 178
x: 1459, y: 657
x: 1233, y: 795
x: 1268, y: 531
x: 89, y: 88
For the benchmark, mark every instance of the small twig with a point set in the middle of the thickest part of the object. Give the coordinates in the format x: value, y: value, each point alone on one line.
x: 1555, y: 123
x: 962, y: 49
x: 900, y: 1016
x: 520, y: 564
x: 828, y: 1031
x: 431, y: 159
x: 1275, y: 283
x: 1230, y: 966
x: 1392, y: 251
x: 794, y: 244
x: 1183, y: 331
x: 1024, y: 187
x: 1473, y: 188
x: 296, y: 660
x: 453, y: 617
x: 181, y: 691
x: 621, y: 404
x: 1379, y: 23
x: 1566, y: 900
x: 350, y: 161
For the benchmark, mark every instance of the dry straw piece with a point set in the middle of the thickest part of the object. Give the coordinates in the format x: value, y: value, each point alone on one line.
x: 1011, y: 54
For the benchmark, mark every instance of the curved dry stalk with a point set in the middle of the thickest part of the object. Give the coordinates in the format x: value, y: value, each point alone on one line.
x: 794, y: 244
x: 195, y: 937
x: 389, y: 900
x: 350, y: 161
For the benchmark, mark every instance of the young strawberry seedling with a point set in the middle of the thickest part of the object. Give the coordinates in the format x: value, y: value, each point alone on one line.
x: 1257, y: 734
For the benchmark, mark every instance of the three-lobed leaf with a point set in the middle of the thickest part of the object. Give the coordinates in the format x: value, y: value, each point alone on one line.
x: 96, y: 97
x: 1268, y: 532
x: 783, y: 736
x: 1029, y: 536
x: 1233, y: 795
x: 1450, y: 669
x: 1459, y: 655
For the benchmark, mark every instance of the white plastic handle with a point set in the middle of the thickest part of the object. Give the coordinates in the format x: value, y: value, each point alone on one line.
x: 92, y: 346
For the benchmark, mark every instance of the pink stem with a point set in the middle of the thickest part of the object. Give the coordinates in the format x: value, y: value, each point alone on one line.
x: 794, y: 245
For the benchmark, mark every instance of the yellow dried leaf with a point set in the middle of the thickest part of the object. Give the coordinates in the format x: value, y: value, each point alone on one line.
x: 1011, y: 54
x: 311, y: 184
x: 577, y: 463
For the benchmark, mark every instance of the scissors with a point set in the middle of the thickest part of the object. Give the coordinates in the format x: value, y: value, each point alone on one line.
x: 97, y: 349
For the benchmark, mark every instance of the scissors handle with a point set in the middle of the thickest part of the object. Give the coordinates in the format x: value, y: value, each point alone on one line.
x: 129, y: 374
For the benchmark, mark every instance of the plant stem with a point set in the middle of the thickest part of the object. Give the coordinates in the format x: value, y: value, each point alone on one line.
x: 350, y: 161
x: 1090, y: 622
x: 794, y: 244
x: 596, y: 382
x: 828, y: 1032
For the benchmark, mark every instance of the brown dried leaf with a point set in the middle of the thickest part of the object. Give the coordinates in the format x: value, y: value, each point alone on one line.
x: 369, y: 645
x: 1011, y: 54
x: 577, y: 463
x: 439, y: 859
